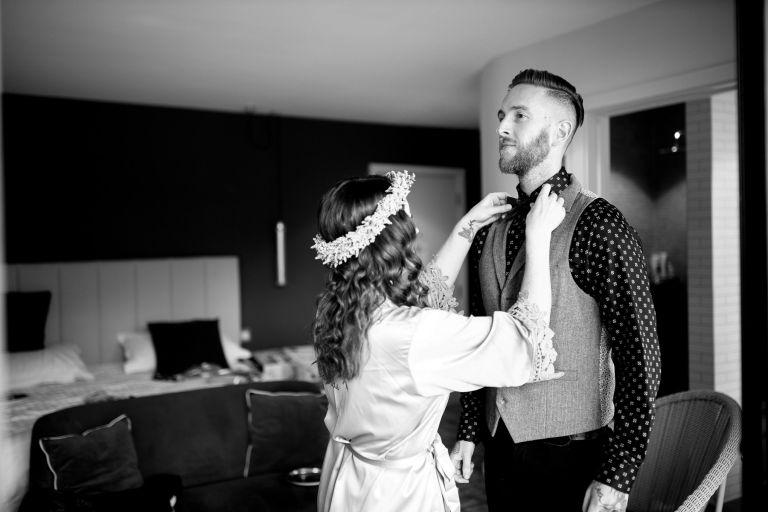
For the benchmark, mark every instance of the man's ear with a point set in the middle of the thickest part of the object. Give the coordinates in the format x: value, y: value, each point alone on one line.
x: 563, y: 131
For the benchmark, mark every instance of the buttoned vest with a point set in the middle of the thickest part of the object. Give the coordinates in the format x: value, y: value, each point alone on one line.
x: 581, y: 400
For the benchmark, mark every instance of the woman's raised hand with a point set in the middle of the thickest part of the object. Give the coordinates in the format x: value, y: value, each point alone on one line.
x: 488, y: 210
x: 546, y: 213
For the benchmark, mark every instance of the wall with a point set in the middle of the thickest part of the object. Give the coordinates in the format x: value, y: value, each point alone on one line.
x: 659, y: 50
x: 714, y: 261
x: 90, y: 180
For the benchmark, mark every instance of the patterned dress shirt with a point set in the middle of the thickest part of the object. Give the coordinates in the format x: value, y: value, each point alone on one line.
x: 607, y: 262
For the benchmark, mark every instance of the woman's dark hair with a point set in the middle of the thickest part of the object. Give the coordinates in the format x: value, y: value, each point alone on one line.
x: 387, y: 268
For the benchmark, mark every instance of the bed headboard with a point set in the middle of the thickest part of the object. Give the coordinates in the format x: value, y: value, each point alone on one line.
x: 92, y: 301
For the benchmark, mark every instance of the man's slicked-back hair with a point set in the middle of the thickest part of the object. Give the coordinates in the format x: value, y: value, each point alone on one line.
x: 559, y: 88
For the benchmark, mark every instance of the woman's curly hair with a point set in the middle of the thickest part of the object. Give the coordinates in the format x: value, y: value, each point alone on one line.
x: 386, y: 269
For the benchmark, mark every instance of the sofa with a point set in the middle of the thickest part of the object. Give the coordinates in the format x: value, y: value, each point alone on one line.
x: 227, y: 448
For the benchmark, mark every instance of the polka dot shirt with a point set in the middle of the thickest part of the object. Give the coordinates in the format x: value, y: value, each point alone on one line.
x: 607, y: 262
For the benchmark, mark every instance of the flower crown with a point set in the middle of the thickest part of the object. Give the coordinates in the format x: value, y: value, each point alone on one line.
x: 336, y: 252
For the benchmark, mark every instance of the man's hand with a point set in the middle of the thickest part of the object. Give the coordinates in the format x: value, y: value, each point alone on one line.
x: 461, y: 456
x: 602, y: 498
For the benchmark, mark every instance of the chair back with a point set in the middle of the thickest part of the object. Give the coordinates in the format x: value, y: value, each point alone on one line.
x: 693, y: 444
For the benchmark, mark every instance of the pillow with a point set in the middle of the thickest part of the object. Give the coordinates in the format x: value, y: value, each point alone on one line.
x: 180, y: 346
x: 139, y: 353
x: 287, y: 431
x: 58, y: 364
x: 26, y: 315
x: 102, y: 459
x: 234, y: 352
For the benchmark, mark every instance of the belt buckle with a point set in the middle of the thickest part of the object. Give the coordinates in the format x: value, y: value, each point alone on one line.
x: 583, y: 436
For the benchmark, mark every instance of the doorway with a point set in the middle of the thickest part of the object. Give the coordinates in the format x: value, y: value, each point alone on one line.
x: 647, y: 183
x: 437, y: 201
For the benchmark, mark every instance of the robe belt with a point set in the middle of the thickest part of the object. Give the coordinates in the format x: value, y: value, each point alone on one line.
x: 440, y: 458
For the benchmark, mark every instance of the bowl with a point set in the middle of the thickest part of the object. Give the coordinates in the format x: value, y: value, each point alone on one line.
x: 305, y: 477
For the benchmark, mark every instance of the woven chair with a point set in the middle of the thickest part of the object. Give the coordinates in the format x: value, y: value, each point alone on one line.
x: 693, y: 445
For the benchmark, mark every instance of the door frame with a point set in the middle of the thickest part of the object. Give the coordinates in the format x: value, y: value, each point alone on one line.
x: 461, y: 290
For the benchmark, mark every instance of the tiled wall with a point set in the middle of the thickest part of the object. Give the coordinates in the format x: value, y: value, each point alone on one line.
x: 725, y: 250
x: 713, y: 251
x: 700, y: 321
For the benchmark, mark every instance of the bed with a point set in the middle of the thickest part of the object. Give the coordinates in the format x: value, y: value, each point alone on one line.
x: 90, y: 304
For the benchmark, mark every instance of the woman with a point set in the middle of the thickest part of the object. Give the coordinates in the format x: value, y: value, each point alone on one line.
x: 390, y: 352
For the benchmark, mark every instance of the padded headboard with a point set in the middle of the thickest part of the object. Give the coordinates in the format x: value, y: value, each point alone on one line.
x: 93, y: 301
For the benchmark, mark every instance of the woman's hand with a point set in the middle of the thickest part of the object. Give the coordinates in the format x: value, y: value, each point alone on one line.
x: 488, y: 210
x: 546, y: 214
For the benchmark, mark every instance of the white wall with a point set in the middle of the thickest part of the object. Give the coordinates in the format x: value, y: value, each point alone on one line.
x: 664, y: 50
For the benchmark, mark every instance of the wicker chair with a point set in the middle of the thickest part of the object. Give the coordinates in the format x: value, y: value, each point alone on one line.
x: 693, y: 445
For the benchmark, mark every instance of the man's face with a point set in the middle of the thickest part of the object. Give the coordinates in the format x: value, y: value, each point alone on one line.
x: 524, y: 122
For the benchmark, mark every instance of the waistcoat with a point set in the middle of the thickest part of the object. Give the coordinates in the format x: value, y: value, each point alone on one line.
x: 581, y: 400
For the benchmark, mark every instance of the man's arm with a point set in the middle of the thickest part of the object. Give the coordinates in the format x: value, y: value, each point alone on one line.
x: 607, y: 262
x: 472, y: 403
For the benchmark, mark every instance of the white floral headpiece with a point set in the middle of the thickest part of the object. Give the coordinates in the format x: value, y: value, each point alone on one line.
x: 336, y: 252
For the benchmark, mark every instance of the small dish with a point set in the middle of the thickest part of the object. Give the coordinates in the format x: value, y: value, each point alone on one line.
x: 305, y: 477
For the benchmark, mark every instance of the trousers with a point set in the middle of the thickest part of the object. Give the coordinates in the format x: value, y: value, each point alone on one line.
x: 546, y: 474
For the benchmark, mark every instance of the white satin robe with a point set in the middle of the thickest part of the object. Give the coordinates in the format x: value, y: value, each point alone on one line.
x: 384, y: 453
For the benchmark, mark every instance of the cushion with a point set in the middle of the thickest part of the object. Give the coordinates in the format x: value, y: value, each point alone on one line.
x: 102, y: 459
x: 58, y: 364
x: 26, y: 315
x: 180, y: 346
x: 234, y: 352
x: 286, y: 429
x: 139, y: 352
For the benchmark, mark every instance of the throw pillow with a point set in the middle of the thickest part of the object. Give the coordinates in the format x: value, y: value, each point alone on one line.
x: 26, y: 316
x: 139, y: 353
x: 59, y: 364
x: 102, y: 459
x: 287, y: 431
x: 180, y: 346
x: 234, y: 352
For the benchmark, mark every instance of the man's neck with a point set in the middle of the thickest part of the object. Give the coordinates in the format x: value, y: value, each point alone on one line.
x: 537, y: 176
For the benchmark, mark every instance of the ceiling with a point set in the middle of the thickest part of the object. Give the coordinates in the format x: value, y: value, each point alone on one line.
x: 414, y: 62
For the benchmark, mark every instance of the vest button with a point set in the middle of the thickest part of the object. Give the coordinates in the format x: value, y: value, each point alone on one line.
x: 503, y: 400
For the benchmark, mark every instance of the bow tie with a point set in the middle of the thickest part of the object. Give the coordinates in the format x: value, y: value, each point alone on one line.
x: 524, y: 201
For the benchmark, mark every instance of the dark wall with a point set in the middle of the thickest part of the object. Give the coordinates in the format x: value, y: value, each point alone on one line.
x: 90, y: 180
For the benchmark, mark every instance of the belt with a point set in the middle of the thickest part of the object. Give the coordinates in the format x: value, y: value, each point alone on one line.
x: 581, y: 436
x: 441, y: 459
x: 592, y: 434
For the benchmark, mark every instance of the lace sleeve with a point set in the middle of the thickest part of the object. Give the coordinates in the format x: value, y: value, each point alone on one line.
x: 539, y: 336
x: 440, y: 293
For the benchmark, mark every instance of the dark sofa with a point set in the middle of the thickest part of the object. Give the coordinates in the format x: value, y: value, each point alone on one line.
x: 195, y: 441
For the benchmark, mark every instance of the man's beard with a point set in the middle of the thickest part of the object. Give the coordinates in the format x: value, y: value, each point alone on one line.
x: 526, y: 157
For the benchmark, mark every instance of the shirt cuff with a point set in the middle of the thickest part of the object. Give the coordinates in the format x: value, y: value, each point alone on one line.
x: 618, y: 474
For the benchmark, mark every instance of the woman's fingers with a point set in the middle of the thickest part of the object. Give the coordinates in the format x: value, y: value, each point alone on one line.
x: 497, y: 198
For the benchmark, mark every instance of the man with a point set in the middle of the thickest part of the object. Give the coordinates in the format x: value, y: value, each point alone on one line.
x: 575, y: 443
